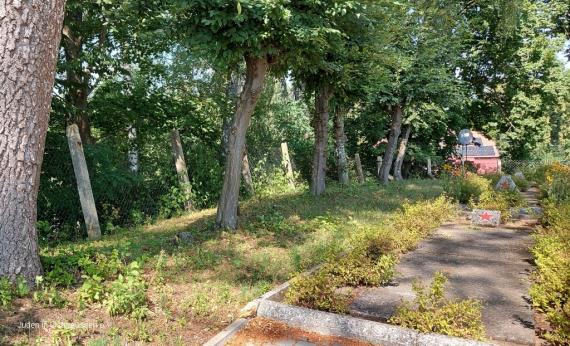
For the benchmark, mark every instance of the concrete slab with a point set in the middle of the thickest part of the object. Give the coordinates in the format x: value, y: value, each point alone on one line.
x: 491, y: 265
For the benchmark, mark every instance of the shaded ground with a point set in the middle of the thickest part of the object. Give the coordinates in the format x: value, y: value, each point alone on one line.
x: 265, y: 332
x: 488, y: 264
x: 201, y: 286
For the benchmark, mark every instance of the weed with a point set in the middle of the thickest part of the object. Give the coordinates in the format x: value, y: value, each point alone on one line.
x: 432, y: 313
x: 127, y: 294
x: 6, y: 295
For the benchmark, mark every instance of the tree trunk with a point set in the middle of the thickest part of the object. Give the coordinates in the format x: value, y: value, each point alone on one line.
x: 401, y: 154
x: 359, y: 171
x: 429, y: 168
x: 181, y: 168
x: 133, y: 154
x: 83, y: 183
x: 320, y: 125
x: 29, y: 39
x: 246, y: 174
x: 287, y: 165
x: 256, y: 70
x: 340, y: 147
x: 77, y: 80
x: 396, y: 128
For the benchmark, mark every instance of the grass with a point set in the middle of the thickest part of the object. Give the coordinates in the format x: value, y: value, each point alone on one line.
x: 196, y: 290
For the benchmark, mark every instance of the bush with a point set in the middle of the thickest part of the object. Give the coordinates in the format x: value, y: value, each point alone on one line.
x: 432, y: 313
x: 557, y: 182
x: 551, y: 289
x: 465, y: 189
x: 371, y: 259
x: 127, y: 294
x: 6, y: 295
x: 521, y: 183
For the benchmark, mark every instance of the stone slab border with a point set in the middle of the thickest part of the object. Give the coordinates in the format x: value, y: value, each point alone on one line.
x: 354, y: 328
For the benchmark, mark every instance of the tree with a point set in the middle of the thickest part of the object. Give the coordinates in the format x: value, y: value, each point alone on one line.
x: 262, y: 33
x: 419, y: 66
x: 29, y: 37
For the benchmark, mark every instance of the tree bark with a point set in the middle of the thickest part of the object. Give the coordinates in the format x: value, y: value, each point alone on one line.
x: 83, y: 183
x: 181, y: 168
x: 286, y: 164
x: 256, y: 70
x: 340, y: 147
x: 359, y: 171
x: 402, y: 154
x: 77, y: 80
x: 133, y: 154
x: 320, y: 125
x: 396, y: 128
x: 246, y: 174
x: 29, y: 39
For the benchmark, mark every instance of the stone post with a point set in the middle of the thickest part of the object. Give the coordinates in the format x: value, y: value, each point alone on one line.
x: 359, y: 171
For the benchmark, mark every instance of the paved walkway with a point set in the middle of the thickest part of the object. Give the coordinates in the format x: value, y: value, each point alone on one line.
x: 488, y: 264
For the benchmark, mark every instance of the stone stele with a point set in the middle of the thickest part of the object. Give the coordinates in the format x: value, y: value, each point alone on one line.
x: 506, y: 183
x: 486, y: 217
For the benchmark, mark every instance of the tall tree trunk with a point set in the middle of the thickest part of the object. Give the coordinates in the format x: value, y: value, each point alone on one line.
x: 246, y: 174
x: 29, y: 39
x: 133, y: 154
x: 320, y: 125
x: 77, y: 80
x: 181, y: 168
x: 402, y: 153
x: 256, y: 70
x: 340, y: 147
x: 396, y: 128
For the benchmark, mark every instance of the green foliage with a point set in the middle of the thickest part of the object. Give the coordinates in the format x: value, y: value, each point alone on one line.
x: 465, y: 189
x: 557, y: 182
x: 550, y: 291
x: 6, y: 294
x: 91, y: 291
x: 48, y: 295
x: 431, y: 312
x: 127, y: 294
x: 370, y: 257
x: 521, y: 183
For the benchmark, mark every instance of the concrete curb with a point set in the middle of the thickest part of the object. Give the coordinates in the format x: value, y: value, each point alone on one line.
x: 354, y: 328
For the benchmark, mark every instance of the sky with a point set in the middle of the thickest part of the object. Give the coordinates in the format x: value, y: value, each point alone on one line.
x: 562, y: 55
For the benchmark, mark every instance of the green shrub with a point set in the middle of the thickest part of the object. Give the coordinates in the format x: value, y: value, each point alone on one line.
x: 48, y: 295
x: 317, y: 291
x: 550, y: 291
x: 502, y: 201
x: 6, y: 295
x: 557, y: 182
x: 372, y: 256
x: 92, y: 290
x: 521, y: 183
x: 127, y: 294
x: 464, y: 189
x: 432, y: 313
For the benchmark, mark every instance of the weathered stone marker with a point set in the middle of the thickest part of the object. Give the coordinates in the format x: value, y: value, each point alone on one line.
x: 378, y: 166
x: 429, y: 172
x: 246, y: 174
x: 486, y: 217
x: 359, y: 171
x: 506, y: 183
x: 519, y: 175
x: 83, y: 183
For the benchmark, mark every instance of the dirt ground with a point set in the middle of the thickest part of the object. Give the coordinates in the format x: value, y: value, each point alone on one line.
x: 260, y: 331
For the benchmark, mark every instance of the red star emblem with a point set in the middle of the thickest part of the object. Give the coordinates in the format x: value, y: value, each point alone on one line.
x: 486, y: 216
x: 505, y: 185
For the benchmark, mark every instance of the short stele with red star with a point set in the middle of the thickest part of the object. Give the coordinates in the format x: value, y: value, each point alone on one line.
x: 486, y: 216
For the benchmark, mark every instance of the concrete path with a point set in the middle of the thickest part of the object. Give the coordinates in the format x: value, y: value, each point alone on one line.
x: 488, y: 264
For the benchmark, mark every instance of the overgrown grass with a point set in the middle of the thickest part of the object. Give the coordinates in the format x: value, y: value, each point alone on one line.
x: 184, y: 293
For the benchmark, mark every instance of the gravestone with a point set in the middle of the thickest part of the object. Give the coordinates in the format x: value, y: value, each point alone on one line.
x: 483, y: 217
x: 506, y: 183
